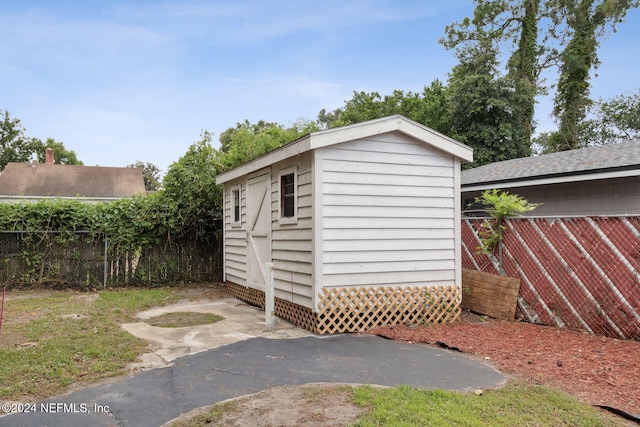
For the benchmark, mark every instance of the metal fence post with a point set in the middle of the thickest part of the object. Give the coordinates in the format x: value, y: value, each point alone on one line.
x: 269, y: 296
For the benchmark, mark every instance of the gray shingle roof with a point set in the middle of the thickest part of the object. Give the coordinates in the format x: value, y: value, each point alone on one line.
x: 602, y: 158
x: 53, y: 180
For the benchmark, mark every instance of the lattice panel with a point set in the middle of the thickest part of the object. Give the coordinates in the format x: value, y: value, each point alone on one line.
x: 248, y: 295
x: 298, y: 315
x: 357, y: 309
x: 295, y: 314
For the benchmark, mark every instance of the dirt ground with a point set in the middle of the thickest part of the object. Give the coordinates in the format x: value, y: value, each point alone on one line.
x: 312, y: 405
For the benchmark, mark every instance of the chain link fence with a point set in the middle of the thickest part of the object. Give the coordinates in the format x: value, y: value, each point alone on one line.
x: 574, y: 272
x: 87, y: 261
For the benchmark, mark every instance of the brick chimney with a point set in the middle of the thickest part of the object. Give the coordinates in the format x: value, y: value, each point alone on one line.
x: 49, y: 160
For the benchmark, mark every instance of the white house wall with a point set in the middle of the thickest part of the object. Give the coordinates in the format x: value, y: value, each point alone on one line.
x: 388, y: 214
x: 615, y: 196
x: 291, y: 244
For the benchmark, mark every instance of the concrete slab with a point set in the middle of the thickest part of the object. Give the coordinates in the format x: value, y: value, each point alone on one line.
x: 241, y: 322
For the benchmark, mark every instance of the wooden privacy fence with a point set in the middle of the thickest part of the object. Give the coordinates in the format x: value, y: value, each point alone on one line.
x: 575, y: 272
x: 86, y: 261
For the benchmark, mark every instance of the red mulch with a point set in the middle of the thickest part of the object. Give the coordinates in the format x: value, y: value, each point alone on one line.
x: 596, y: 370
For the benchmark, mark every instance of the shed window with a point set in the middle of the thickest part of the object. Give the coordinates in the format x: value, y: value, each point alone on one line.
x: 235, y: 206
x: 288, y: 196
x: 287, y: 186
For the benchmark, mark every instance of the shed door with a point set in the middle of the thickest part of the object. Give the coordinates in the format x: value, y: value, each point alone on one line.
x: 258, y: 229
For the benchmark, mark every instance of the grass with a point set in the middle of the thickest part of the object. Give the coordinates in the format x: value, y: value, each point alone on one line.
x: 518, y: 403
x: 182, y: 319
x: 515, y: 404
x: 50, y: 340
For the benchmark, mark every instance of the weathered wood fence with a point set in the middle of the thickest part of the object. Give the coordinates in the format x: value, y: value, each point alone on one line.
x: 86, y: 261
x: 575, y: 272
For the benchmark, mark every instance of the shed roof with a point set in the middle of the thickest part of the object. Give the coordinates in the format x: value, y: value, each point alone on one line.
x: 597, y: 162
x: 356, y: 131
x: 33, y: 180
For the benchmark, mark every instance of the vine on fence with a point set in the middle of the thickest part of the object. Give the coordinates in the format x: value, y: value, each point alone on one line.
x: 55, y: 234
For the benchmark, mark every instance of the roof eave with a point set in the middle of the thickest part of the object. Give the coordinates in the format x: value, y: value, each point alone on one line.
x: 356, y: 131
x: 392, y: 124
x: 291, y: 149
x: 557, y: 179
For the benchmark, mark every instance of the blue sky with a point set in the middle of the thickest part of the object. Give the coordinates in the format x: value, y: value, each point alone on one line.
x: 120, y: 81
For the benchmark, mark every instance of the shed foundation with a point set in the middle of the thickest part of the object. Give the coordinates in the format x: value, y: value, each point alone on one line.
x: 356, y: 309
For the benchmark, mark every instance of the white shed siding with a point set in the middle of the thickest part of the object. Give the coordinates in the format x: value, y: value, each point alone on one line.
x: 388, y: 206
x: 291, y: 244
x: 235, y: 242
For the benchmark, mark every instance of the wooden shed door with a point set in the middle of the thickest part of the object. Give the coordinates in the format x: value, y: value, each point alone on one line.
x: 258, y: 229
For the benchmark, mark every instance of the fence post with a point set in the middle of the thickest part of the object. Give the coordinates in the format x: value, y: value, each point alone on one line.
x: 104, y: 280
x: 269, y: 296
x: 4, y: 292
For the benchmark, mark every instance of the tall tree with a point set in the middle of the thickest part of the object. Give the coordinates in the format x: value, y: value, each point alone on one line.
x: 480, y: 106
x: 524, y: 69
x: 582, y: 23
x: 514, y: 23
x: 151, y: 174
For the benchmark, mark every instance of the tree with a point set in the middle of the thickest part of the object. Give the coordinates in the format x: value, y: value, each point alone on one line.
x: 191, y: 195
x: 61, y: 155
x: 584, y: 23
x: 151, y: 174
x: 514, y: 23
x: 616, y: 119
x: 428, y: 108
x: 436, y: 115
x: 480, y: 106
x: 247, y: 141
x: 14, y: 145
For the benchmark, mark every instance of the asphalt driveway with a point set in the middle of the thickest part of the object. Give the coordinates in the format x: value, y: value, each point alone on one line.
x: 156, y: 396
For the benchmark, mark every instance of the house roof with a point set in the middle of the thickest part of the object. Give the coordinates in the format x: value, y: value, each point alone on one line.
x: 38, y: 180
x: 315, y: 140
x: 597, y: 162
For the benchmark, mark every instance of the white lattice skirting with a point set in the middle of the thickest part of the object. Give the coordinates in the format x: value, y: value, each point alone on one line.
x: 358, y: 309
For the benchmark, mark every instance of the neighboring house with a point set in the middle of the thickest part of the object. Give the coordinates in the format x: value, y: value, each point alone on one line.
x: 362, y: 224
x: 31, y: 182
x: 599, y: 180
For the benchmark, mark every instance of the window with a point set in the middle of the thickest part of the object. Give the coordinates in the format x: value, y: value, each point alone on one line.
x: 288, y: 214
x: 288, y: 194
x: 235, y: 205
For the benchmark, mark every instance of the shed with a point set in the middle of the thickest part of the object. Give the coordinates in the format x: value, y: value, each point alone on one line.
x: 361, y: 223
x: 601, y: 180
